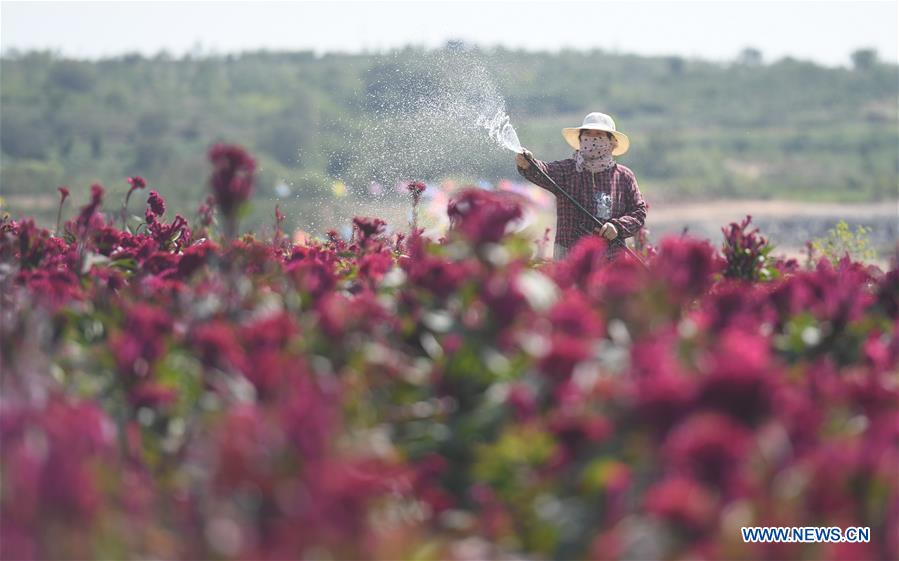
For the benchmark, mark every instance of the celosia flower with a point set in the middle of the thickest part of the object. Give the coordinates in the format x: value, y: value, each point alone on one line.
x: 745, y: 251
x: 155, y: 204
x: 141, y: 341
x: 89, y: 213
x: 564, y: 354
x: 741, y: 381
x: 373, y: 266
x: 368, y: 228
x: 63, y: 195
x: 216, y: 345
x: 233, y: 172
x: 684, y: 502
x: 685, y: 265
x: 573, y: 316
x: 136, y: 182
x: 416, y: 188
x: 484, y: 216
x: 708, y: 446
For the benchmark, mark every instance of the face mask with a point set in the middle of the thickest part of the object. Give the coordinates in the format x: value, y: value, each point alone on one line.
x: 595, y: 153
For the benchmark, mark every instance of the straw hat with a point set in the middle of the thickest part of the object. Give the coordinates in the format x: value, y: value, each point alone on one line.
x: 597, y: 122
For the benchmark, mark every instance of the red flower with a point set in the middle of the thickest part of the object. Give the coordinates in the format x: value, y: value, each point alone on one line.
x: 141, y: 340
x: 523, y: 401
x: 87, y: 217
x: 232, y: 177
x: 573, y: 316
x: 734, y: 304
x: 416, y: 188
x: 709, y: 447
x: 63, y: 193
x: 586, y: 257
x: 151, y: 394
x: 575, y: 429
x: 217, y: 345
x: 373, y: 266
x: 155, y: 204
x: 314, y: 275
x: 438, y: 275
x: 195, y: 256
x: 686, y: 266
x: 137, y: 182
x: 272, y: 333
x: 564, y: 354
x: 368, y: 228
x: 683, y: 502
x: 741, y: 382
x: 205, y: 211
x: 484, y: 216
x: 744, y: 250
x: 663, y: 393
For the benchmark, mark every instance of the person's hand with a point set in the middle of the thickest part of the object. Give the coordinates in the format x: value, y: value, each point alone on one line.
x: 521, y: 160
x: 607, y: 230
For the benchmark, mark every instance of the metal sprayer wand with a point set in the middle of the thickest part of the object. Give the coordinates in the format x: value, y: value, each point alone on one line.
x: 530, y: 158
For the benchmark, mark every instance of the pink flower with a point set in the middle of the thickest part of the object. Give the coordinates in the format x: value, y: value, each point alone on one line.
x: 155, y: 204
x: 86, y: 218
x: 142, y: 339
x: 709, y: 447
x: 663, y: 393
x: 416, y: 188
x: 206, y: 210
x: 577, y: 429
x: 574, y: 316
x: 151, y: 394
x: 588, y: 256
x: 368, y: 228
x: 745, y: 251
x: 438, y: 275
x: 484, y: 216
x: 273, y: 333
x: 137, y: 182
x: 195, y: 257
x: 232, y: 177
x: 373, y: 266
x: 313, y: 275
x: 564, y: 354
x: 216, y: 345
x: 734, y: 304
x: 686, y: 266
x: 682, y: 501
x: 741, y: 382
x: 63, y: 193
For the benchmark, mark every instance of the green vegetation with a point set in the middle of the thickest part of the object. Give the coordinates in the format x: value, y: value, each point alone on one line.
x: 841, y: 241
x: 787, y: 129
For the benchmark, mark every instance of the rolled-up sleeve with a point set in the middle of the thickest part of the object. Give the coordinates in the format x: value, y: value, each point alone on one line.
x: 630, y: 222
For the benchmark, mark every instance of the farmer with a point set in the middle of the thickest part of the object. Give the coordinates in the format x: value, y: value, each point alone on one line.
x: 601, y: 185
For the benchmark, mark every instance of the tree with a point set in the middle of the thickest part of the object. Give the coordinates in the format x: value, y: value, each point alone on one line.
x: 675, y: 65
x: 72, y: 76
x: 750, y: 57
x: 23, y: 139
x: 284, y: 141
x: 864, y: 59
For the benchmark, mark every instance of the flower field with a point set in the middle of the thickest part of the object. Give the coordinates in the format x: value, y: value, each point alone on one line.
x: 177, y: 389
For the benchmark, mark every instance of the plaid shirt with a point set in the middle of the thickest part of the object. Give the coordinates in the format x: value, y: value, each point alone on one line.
x: 628, y: 209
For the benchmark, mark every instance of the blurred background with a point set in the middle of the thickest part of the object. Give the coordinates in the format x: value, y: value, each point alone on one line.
x: 786, y: 111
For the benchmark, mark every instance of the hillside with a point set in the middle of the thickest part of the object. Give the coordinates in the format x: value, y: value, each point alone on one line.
x: 699, y: 130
